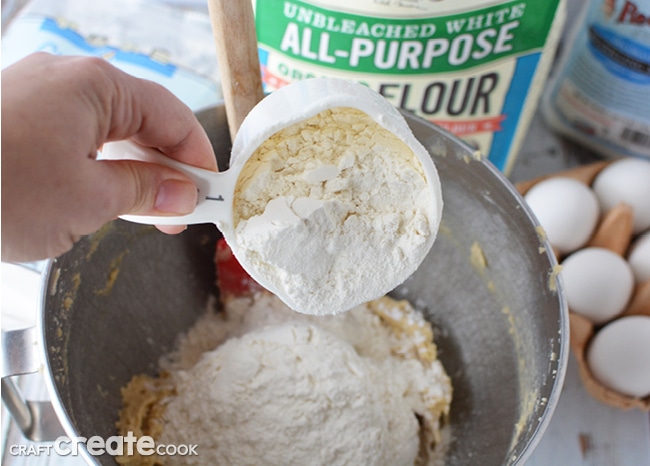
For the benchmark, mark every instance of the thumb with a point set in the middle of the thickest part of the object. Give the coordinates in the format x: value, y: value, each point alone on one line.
x: 142, y: 188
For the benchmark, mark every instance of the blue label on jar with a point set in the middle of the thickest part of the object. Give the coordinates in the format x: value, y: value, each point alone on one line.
x: 601, y: 93
x: 621, y: 55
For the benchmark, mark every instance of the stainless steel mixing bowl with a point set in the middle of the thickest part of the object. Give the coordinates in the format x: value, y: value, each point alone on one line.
x: 115, y: 303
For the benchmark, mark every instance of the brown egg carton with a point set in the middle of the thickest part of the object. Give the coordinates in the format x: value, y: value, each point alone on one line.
x: 614, y: 232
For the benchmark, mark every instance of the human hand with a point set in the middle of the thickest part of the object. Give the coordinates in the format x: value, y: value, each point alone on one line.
x: 56, y: 113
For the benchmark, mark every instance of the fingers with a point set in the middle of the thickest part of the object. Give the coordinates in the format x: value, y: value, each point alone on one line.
x: 140, y: 188
x: 152, y: 116
x: 59, y: 111
x: 172, y: 229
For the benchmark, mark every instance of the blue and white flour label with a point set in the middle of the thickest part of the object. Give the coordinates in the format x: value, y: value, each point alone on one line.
x: 38, y: 33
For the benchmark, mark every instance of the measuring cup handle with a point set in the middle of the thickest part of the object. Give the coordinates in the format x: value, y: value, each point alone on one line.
x: 215, y: 190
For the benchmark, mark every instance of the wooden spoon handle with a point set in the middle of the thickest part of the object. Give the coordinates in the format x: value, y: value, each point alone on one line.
x: 233, y: 27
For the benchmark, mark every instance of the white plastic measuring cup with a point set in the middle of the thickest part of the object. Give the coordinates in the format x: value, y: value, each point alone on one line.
x: 283, y: 108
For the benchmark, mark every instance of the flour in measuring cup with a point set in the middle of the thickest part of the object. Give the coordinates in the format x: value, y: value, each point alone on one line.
x: 350, y: 198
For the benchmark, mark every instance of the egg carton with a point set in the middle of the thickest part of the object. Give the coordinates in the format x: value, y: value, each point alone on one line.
x: 614, y: 232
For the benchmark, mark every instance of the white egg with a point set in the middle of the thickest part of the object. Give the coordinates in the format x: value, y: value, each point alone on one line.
x: 598, y: 283
x: 567, y: 210
x: 619, y: 356
x: 639, y: 258
x: 626, y: 180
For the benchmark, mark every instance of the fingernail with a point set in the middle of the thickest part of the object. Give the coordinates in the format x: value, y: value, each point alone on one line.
x: 176, y: 197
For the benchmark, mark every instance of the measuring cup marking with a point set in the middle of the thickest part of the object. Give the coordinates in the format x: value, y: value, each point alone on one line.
x: 215, y: 189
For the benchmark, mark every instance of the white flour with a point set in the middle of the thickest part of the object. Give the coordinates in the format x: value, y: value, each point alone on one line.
x: 349, y: 197
x: 274, y: 393
x: 288, y: 388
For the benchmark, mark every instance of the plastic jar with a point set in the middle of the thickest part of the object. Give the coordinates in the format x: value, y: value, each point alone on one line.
x: 600, y: 96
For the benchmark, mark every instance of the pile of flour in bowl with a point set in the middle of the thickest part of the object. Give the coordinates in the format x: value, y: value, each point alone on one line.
x: 261, y: 384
